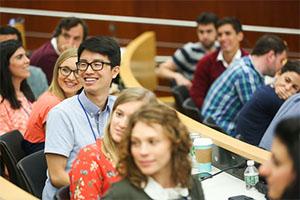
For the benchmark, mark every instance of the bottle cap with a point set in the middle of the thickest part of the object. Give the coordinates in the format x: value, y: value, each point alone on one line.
x: 250, y: 162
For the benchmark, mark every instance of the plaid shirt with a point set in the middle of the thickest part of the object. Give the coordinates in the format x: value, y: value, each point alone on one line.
x: 230, y: 92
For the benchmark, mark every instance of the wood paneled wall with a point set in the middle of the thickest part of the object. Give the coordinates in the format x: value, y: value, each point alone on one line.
x: 256, y: 12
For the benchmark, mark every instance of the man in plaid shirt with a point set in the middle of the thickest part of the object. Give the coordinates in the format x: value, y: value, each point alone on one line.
x: 236, y: 85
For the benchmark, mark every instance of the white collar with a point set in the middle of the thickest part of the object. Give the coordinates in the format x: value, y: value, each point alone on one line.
x: 236, y: 56
x: 54, y: 44
x: 155, y: 191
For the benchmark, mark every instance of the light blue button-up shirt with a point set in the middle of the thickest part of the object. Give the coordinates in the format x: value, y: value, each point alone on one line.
x: 68, y: 129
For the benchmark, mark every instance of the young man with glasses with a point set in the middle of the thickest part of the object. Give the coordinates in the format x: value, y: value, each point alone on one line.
x: 80, y: 120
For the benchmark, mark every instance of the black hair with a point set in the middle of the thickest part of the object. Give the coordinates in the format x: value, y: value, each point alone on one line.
x: 104, y: 45
x: 267, y: 43
x: 68, y: 23
x: 9, y: 30
x: 207, y: 18
x: 7, y: 90
x: 234, y: 22
x: 288, y: 132
x: 291, y: 66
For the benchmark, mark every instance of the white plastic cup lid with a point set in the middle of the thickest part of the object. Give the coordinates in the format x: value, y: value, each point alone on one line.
x: 194, y: 135
x: 202, y: 142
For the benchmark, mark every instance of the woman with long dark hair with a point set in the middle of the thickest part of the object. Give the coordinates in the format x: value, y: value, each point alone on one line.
x: 16, y: 96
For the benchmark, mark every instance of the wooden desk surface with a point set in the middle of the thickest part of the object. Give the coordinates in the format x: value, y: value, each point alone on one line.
x: 224, y: 185
x: 225, y: 141
x: 9, y: 191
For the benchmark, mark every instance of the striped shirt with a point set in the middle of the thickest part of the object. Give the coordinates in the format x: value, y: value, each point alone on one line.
x: 187, y: 57
x: 230, y: 92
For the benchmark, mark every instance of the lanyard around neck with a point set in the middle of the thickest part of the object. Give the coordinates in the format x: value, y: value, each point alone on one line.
x: 87, y: 117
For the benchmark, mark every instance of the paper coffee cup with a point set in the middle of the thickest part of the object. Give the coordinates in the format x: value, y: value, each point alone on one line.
x: 203, y: 154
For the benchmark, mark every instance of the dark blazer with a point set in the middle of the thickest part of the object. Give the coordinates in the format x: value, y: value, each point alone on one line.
x: 124, y: 190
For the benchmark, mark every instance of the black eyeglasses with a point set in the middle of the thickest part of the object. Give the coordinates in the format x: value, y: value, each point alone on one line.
x: 66, y: 71
x: 95, y: 65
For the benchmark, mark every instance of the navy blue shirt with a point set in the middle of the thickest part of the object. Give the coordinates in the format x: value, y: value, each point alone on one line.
x: 257, y: 114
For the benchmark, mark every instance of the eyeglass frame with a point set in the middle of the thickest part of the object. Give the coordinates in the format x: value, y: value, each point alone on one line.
x: 75, y: 72
x: 90, y: 64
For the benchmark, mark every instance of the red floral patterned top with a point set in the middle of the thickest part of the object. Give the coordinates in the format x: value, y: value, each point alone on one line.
x: 92, y: 173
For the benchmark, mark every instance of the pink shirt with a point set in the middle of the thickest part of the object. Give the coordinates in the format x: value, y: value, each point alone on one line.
x: 11, y: 119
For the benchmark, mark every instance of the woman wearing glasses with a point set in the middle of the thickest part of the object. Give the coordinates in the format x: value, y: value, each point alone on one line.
x: 16, y: 96
x: 64, y: 84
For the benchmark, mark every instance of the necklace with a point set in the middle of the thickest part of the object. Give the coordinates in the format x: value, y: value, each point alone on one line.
x: 29, y: 105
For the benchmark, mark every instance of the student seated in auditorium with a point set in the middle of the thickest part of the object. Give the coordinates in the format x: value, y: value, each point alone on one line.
x: 282, y: 171
x: 258, y: 112
x: 79, y: 120
x: 211, y: 66
x: 64, y: 84
x: 154, y: 158
x: 181, y: 67
x: 94, y: 171
x: 16, y: 96
x: 37, y: 79
x: 235, y: 87
x: 69, y: 32
x: 290, y: 108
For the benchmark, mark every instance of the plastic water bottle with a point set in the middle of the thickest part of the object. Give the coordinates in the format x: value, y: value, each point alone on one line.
x: 250, y: 175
